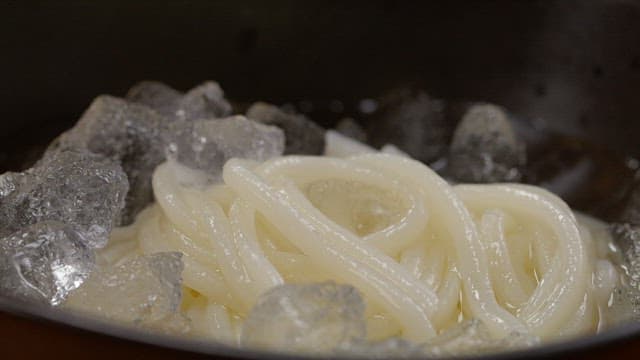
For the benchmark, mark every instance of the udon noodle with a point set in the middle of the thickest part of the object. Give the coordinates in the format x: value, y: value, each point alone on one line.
x: 425, y: 254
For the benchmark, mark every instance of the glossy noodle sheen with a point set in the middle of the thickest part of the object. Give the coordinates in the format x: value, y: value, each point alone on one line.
x: 424, y: 254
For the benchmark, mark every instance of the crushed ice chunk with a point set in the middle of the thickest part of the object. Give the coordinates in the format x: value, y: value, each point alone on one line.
x: 205, y: 101
x: 624, y: 305
x: 302, y: 135
x: 627, y: 238
x: 411, y: 120
x: 485, y: 147
x: 142, y: 291
x: 207, y: 144
x: 129, y: 133
x: 156, y: 95
x: 305, y: 318
x: 349, y: 127
x: 10, y: 182
x: 471, y: 337
x: 139, y: 138
x: 44, y: 262
x: 81, y: 189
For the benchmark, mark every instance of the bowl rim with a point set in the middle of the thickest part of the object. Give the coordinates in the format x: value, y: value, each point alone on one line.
x: 80, y: 321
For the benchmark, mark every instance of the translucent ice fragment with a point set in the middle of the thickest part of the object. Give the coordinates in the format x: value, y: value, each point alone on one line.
x: 485, y: 147
x: 624, y: 305
x: 311, y: 318
x: 302, y: 135
x: 207, y: 144
x: 627, y: 238
x: 142, y: 291
x: 411, y: 120
x: 76, y: 187
x: 131, y: 134
x: 156, y: 95
x: 205, y: 101
x: 44, y: 262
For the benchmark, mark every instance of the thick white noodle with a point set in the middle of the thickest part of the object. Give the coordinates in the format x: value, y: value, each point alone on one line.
x: 513, y: 256
x: 454, y: 221
x: 338, y: 251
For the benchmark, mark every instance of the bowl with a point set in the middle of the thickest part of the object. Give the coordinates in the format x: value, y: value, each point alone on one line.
x: 574, y: 65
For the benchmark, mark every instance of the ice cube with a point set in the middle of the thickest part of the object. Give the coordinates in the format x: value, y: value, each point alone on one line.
x: 129, y: 133
x: 349, y: 127
x: 76, y: 187
x: 627, y: 238
x: 411, y: 120
x: 207, y: 144
x: 624, y: 305
x: 142, y: 291
x: 156, y: 95
x: 305, y: 318
x: 44, y: 262
x: 205, y: 101
x: 472, y: 337
x: 485, y: 148
x: 302, y: 135
x: 10, y: 182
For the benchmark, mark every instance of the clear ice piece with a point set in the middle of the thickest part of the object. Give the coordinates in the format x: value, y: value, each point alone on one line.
x: 156, y: 95
x: 132, y: 134
x: 624, y: 305
x: 302, y: 135
x: 205, y: 101
x: 207, y: 144
x: 485, y: 147
x: 76, y: 187
x: 142, y: 291
x: 627, y: 238
x: 411, y: 120
x: 44, y: 262
x: 137, y: 137
x: 311, y: 318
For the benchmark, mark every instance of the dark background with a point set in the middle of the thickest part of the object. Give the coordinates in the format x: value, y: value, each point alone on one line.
x: 573, y: 64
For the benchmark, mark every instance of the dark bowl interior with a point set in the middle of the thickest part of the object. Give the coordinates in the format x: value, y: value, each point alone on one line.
x: 573, y: 64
